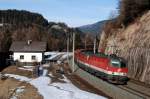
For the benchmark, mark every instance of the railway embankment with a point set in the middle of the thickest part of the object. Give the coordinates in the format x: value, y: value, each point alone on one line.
x: 130, y: 91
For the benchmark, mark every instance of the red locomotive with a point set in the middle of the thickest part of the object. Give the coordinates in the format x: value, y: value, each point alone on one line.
x: 110, y: 68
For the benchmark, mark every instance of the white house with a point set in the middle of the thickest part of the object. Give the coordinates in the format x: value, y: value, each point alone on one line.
x: 28, y: 52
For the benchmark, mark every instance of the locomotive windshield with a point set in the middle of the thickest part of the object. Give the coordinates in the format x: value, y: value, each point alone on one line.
x: 123, y: 65
x: 118, y: 63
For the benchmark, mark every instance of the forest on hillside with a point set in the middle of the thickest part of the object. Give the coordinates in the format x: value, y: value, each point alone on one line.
x: 129, y: 11
x: 21, y: 25
x: 22, y: 17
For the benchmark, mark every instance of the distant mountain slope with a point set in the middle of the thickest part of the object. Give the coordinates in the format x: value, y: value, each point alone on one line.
x: 93, y: 28
x: 18, y: 17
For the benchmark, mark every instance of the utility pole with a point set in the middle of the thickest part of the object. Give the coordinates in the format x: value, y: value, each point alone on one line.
x: 94, y: 49
x: 85, y: 44
x: 67, y: 36
x: 73, y: 67
x: 68, y: 48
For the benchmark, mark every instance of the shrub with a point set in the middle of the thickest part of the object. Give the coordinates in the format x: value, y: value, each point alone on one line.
x: 129, y: 10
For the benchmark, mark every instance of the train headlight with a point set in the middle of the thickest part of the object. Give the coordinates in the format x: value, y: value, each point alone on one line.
x: 122, y: 74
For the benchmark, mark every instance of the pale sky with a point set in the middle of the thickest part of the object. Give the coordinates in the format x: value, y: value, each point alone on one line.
x: 73, y: 12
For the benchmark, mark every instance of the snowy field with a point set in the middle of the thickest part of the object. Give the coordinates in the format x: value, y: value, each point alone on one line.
x: 56, y: 90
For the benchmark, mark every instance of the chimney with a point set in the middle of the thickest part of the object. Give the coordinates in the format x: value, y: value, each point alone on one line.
x: 29, y: 42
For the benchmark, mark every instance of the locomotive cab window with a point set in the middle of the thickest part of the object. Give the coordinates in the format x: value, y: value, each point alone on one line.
x: 118, y: 64
x: 115, y: 63
x: 123, y: 64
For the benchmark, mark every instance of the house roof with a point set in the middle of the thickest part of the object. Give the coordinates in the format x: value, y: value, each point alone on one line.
x: 22, y: 46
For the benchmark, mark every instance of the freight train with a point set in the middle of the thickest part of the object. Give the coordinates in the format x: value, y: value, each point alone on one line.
x: 107, y: 67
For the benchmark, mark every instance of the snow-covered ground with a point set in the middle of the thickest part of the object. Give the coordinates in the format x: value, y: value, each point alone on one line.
x: 53, y: 55
x: 56, y: 90
x: 17, y: 91
x: 28, y: 69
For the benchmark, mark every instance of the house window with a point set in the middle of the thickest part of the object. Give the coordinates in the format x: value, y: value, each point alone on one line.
x: 21, y: 56
x: 33, y: 57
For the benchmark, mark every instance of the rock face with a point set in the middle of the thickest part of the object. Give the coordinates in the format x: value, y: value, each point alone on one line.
x: 132, y: 43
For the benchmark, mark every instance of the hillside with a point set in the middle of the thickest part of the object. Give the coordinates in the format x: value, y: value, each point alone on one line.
x: 21, y: 17
x: 20, y: 25
x: 128, y: 36
x: 132, y: 43
x: 93, y: 29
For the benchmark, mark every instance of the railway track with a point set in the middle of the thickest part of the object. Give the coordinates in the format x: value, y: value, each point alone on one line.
x: 137, y: 89
x: 133, y: 89
x: 144, y: 89
x: 140, y: 83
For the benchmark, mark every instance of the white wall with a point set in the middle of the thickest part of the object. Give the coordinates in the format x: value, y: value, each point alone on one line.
x: 28, y: 56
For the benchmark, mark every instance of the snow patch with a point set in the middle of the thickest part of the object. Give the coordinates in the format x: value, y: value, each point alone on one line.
x: 28, y: 66
x: 20, y: 89
x: 27, y: 69
x: 53, y: 55
x: 17, y: 91
x: 41, y: 81
x: 57, y: 90
x: 20, y: 78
